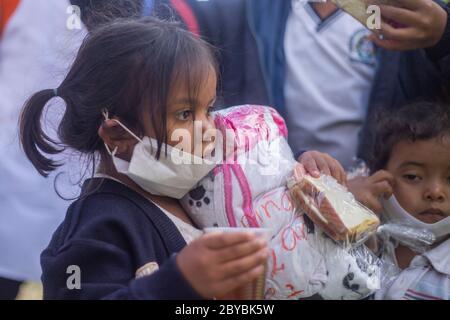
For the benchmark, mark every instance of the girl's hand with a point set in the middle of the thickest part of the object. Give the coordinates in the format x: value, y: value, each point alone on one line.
x: 423, y: 23
x: 368, y: 190
x: 316, y: 163
x: 218, y: 263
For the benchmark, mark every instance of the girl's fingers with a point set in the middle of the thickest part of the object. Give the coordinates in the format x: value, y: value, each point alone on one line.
x: 337, y: 171
x: 310, y: 165
x: 322, y: 165
x: 240, y: 280
x: 374, y: 205
x: 382, y: 188
x: 221, y: 240
x: 241, y: 250
x: 382, y: 175
x: 237, y: 267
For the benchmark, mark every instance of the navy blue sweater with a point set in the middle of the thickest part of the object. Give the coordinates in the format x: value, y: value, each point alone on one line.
x: 109, y: 233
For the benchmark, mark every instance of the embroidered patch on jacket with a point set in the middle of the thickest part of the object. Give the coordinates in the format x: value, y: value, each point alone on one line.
x: 361, y: 48
x: 147, y: 270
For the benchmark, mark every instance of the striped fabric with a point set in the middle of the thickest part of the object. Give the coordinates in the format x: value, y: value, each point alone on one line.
x: 432, y: 286
x: 426, y: 278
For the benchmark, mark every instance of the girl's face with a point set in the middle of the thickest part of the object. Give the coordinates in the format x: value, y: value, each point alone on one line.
x: 189, y: 120
x: 422, y: 177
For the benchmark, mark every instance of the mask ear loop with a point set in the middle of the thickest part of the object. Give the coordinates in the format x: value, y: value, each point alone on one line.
x: 105, y: 114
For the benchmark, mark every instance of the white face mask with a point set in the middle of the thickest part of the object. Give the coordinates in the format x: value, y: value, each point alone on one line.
x: 395, y: 213
x: 173, y: 175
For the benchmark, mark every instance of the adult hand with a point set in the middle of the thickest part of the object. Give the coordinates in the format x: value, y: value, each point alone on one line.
x: 422, y: 24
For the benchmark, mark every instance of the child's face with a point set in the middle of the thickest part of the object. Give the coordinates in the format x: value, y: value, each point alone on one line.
x: 422, y: 177
x: 182, y: 131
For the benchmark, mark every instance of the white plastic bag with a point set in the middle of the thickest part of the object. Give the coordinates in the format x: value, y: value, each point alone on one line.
x: 249, y: 189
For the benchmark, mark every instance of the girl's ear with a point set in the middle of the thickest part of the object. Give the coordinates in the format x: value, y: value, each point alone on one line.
x: 114, y: 136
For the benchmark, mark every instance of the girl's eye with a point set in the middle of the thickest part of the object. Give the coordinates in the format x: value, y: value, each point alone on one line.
x: 184, y: 115
x: 412, y: 177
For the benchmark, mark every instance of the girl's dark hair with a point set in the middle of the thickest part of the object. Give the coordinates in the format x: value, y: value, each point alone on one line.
x: 127, y: 67
x: 95, y: 13
x: 418, y: 121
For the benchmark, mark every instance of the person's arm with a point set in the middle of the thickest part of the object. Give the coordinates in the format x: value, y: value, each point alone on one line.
x: 105, y: 240
x: 106, y: 272
x: 442, y: 48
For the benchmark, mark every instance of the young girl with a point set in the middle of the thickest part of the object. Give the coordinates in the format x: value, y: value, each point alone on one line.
x: 131, y: 86
x: 412, y: 156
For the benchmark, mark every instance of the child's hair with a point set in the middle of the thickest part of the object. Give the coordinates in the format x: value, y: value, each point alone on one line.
x: 418, y: 121
x: 126, y: 67
x: 95, y: 13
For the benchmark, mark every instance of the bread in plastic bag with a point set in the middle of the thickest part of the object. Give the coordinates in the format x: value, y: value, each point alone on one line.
x: 333, y: 208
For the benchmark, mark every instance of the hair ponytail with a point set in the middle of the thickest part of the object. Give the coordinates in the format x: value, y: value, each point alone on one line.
x: 34, y: 140
x: 129, y: 81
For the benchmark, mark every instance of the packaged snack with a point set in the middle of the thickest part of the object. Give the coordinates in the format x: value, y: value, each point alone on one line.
x: 333, y: 208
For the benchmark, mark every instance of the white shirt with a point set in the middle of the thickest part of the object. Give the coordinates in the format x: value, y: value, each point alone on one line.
x: 36, y: 50
x: 330, y: 66
x: 426, y: 278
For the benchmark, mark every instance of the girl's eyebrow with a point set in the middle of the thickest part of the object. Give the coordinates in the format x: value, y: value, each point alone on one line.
x: 412, y: 163
x: 185, y: 101
x: 194, y: 101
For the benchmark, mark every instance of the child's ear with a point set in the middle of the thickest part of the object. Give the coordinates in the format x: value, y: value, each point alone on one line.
x: 114, y: 136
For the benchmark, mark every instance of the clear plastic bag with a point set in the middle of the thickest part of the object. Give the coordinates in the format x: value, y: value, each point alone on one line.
x: 353, y: 273
x: 389, y: 235
x: 419, y: 240
x: 333, y: 208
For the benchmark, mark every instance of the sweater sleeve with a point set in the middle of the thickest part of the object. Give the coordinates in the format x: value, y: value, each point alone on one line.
x: 95, y: 270
x: 96, y: 252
